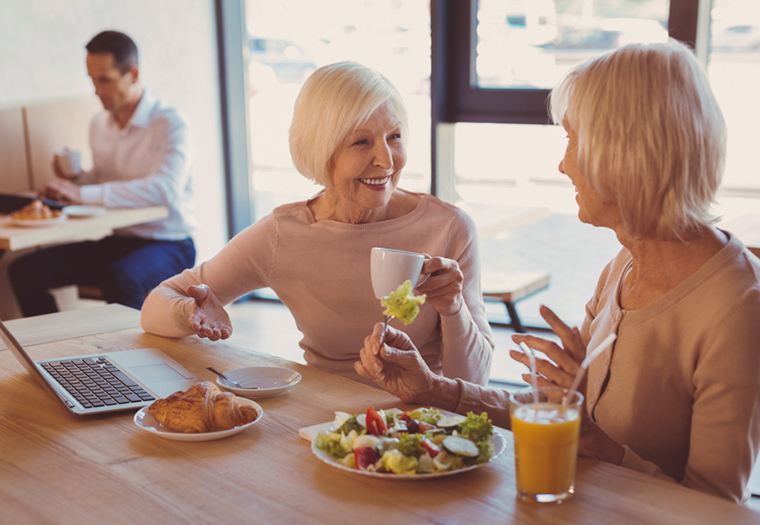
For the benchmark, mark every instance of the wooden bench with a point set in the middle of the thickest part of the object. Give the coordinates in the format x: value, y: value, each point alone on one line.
x: 510, y: 288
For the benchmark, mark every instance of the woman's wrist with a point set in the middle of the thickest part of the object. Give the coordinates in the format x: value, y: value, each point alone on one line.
x: 445, y: 393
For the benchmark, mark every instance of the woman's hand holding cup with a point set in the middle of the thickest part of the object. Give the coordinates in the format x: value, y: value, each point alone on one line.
x: 444, y: 286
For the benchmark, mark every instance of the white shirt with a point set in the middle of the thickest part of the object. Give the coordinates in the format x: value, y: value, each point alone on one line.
x: 147, y: 163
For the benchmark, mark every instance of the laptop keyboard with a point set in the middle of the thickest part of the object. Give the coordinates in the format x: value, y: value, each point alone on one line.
x: 96, y: 382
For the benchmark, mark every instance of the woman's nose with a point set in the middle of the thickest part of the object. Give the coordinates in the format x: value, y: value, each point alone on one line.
x: 383, y: 156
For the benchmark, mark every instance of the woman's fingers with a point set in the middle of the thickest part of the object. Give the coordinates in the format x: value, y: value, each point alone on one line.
x: 199, y: 293
x: 550, y: 349
x: 570, y: 336
x: 545, y: 368
x: 541, y: 381
x: 361, y: 370
x: 369, y: 356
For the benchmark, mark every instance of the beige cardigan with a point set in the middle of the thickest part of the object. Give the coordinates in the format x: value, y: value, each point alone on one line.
x: 680, y: 388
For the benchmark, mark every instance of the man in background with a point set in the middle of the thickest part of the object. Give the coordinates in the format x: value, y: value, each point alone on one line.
x: 141, y: 157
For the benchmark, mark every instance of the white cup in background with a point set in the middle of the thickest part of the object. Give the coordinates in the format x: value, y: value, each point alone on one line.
x: 390, y: 268
x: 68, y: 162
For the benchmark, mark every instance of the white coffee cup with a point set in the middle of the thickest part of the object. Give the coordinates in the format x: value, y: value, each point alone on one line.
x: 68, y: 161
x: 390, y: 268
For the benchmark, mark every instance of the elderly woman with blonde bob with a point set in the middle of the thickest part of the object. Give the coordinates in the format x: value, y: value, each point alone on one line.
x: 678, y: 394
x: 348, y: 134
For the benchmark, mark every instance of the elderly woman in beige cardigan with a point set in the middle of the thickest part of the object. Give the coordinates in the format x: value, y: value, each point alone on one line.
x: 678, y: 394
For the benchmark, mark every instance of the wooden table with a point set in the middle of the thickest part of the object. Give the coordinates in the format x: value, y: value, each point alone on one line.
x: 14, y: 238
x: 58, y: 469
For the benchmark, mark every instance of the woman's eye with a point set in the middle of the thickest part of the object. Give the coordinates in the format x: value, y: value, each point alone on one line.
x: 395, y: 136
x: 360, y: 142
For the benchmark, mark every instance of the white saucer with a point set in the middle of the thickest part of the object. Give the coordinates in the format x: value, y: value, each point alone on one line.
x: 270, y: 380
x: 146, y: 422
x: 83, y: 211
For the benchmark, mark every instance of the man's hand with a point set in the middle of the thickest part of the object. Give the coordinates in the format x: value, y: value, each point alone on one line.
x: 62, y: 190
x: 61, y: 175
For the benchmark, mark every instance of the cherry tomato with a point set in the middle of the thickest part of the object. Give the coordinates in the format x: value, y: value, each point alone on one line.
x: 431, y: 447
x: 375, y: 423
x: 365, y: 456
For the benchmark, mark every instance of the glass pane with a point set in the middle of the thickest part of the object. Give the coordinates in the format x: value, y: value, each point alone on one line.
x: 289, y: 39
x: 507, y: 178
x: 734, y: 70
x: 532, y: 43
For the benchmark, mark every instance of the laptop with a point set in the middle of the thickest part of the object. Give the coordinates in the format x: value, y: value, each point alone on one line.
x: 107, y: 382
x: 10, y: 202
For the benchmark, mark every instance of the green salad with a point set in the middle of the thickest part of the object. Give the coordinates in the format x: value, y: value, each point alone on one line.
x: 422, y: 441
x: 402, y: 303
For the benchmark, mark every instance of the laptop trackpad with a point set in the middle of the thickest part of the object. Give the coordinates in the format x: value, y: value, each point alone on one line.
x: 155, y: 373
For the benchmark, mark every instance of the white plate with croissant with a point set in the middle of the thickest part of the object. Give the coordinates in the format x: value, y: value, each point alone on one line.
x: 36, y: 214
x: 201, y: 413
x: 36, y: 223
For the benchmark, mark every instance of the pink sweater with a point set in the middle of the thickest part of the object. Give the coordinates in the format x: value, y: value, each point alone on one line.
x: 680, y: 388
x: 320, y: 271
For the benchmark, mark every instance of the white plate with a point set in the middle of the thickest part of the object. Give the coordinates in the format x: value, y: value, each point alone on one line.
x: 270, y: 380
x: 148, y: 423
x: 498, y: 449
x: 83, y: 211
x: 35, y: 223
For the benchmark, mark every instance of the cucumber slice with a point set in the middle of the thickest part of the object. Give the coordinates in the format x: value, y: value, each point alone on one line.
x: 362, y: 419
x: 450, y: 421
x: 461, y: 446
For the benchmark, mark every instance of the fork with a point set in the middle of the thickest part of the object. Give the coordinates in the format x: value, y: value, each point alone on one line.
x: 385, y: 327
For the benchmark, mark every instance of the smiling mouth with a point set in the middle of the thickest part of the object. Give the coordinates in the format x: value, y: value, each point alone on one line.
x: 375, y: 182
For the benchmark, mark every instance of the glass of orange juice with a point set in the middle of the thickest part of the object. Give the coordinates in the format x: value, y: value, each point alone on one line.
x: 546, y: 442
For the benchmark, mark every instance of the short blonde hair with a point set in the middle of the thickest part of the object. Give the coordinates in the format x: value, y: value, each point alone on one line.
x: 334, y: 101
x: 651, y: 135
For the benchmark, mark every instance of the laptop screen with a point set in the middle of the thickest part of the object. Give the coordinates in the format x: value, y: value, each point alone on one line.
x: 18, y: 351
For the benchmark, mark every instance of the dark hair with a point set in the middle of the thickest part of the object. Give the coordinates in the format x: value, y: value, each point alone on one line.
x: 118, y: 44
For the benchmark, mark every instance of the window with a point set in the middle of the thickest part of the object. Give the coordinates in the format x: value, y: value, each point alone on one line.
x: 289, y: 39
x: 734, y: 71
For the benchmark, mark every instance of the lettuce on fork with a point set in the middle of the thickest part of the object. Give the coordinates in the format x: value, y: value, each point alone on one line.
x: 402, y: 303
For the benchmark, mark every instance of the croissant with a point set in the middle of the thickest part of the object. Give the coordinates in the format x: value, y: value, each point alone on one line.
x: 34, y: 211
x: 201, y: 408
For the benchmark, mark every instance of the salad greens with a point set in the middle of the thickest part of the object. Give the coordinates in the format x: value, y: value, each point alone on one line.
x: 407, y: 443
x: 402, y: 303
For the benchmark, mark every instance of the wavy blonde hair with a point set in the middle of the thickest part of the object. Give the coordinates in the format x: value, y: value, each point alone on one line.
x: 334, y: 102
x: 651, y: 135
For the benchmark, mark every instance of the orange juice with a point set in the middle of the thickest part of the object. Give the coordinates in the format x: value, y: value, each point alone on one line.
x: 546, y: 448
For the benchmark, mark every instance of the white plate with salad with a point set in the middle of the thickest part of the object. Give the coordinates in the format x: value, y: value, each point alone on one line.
x: 420, y: 444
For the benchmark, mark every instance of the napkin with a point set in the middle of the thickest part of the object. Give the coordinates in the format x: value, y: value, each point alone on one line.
x: 309, y: 433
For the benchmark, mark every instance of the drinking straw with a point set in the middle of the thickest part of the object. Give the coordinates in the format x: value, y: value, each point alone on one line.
x: 532, y: 360
x: 584, y: 365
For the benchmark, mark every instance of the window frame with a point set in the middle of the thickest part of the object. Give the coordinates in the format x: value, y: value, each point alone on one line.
x: 456, y: 94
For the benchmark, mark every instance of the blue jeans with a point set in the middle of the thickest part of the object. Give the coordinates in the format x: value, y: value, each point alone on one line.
x: 124, y: 268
